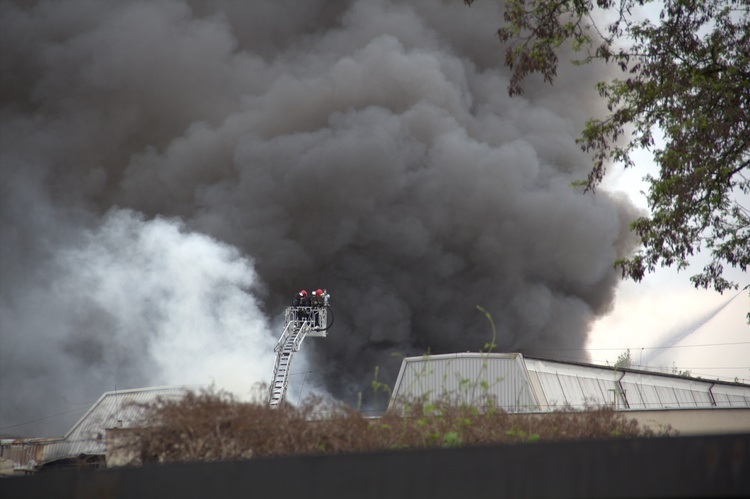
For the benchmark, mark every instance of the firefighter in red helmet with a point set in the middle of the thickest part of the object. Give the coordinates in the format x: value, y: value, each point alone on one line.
x: 301, y: 299
x: 317, y: 298
x: 316, y: 302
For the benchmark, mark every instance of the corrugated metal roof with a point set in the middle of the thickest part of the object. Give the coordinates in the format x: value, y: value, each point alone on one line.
x: 731, y: 396
x: 576, y: 386
x: 471, y: 378
x: 654, y: 391
x: 113, y: 409
x: 527, y: 384
x: 25, y: 453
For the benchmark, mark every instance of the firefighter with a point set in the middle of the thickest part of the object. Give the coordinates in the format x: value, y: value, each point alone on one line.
x: 316, y: 302
x: 317, y: 298
x: 299, y: 299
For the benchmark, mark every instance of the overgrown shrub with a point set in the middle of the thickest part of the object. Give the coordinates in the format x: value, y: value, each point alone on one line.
x: 208, y: 426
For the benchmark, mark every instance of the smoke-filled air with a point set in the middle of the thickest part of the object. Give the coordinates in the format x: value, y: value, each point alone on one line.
x: 174, y: 171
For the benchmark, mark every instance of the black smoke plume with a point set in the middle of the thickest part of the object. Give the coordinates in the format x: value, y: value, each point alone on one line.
x: 174, y: 170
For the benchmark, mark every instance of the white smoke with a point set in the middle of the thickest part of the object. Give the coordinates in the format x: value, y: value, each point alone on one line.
x: 133, y: 303
x: 184, y: 297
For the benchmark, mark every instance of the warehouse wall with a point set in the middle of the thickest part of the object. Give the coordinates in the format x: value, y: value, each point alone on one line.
x: 695, y: 421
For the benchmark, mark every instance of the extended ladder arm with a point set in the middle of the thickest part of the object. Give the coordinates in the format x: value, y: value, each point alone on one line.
x: 298, y: 323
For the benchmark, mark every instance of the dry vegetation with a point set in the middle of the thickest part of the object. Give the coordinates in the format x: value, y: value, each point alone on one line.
x: 210, y: 426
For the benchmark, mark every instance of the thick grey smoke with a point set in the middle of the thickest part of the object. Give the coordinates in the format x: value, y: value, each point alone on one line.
x: 173, y: 171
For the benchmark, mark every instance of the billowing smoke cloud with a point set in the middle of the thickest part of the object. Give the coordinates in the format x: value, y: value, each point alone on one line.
x: 173, y: 171
x: 132, y: 302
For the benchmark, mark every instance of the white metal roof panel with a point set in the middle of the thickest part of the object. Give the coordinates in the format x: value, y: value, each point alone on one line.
x: 685, y: 397
x: 667, y: 396
x: 633, y: 396
x: 575, y: 386
x: 649, y: 395
x: 113, y: 409
x: 556, y: 384
x: 722, y: 399
x: 552, y: 389
x: 655, y: 391
x: 731, y: 396
x: 471, y: 378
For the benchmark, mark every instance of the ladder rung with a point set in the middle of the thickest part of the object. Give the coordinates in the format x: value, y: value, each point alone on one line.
x: 294, y: 332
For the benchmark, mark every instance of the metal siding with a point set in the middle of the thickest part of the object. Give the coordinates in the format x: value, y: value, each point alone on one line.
x: 536, y: 387
x: 573, y: 391
x: 722, y: 400
x: 670, y: 392
x: 25, y: 453
x: 685, y: 397
x: 555, y: 384
x: 640, y: 393
x: 526, y: 397
x: 691, y: 393
x: 553, y: 390
x: 697, y: 390
x: 87, y: 435
x: 667, y: 396
x: 578, y: 386
x: 702, y: 398
x: 732, y: 396
x: 633, y: 395
x: 612, y: 394
x: 592, y: 392
x: 737, y: 400
x: 413, y: 381
x: 736, y: 396
x: 475, y: 379
x: 650, y: 396
x: 550, y: 382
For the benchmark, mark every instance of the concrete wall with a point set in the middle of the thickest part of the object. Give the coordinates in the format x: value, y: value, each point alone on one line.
x: 708, y: 421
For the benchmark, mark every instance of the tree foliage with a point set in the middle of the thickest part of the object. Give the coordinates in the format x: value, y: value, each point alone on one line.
x: 685, y: 75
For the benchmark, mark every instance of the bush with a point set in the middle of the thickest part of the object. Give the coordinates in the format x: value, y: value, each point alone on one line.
x: 209, y: 426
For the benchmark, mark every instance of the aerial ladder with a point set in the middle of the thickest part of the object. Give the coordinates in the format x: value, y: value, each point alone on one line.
x: 299, y: 323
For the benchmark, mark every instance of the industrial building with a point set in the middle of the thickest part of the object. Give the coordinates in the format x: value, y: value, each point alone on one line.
x: 509, y: 381
x: 85, y: 442
x: 519, y: 384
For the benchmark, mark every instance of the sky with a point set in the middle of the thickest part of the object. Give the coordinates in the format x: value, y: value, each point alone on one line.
x: 701, y: 332
x: 174, y: 171
x: 665, y: 322
x: 668, y: 324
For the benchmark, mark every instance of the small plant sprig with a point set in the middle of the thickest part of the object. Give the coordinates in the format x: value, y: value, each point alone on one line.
x: 378, y: 386
x: 489, y: 347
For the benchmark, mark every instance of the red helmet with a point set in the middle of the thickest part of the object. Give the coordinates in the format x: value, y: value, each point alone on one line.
x: 319, y: 292
x: 303, y: 293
